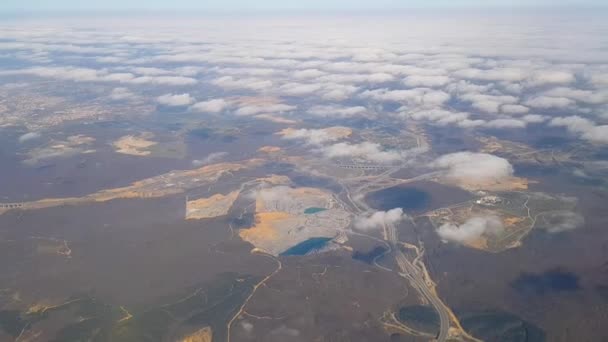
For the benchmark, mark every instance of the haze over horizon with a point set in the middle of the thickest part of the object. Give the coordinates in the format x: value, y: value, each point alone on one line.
x: 285, y: 5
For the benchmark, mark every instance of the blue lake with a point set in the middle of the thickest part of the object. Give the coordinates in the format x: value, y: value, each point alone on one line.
x: 313, y: 210
x: 307, y: 246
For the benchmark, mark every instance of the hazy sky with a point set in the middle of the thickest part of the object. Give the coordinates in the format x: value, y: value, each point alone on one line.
x: 230, y: 5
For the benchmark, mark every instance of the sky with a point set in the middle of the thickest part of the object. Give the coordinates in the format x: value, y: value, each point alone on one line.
x: 239, y: 5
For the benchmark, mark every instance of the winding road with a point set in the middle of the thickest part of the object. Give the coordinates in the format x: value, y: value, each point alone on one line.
x: 408, y: 270
x: 414, y: 275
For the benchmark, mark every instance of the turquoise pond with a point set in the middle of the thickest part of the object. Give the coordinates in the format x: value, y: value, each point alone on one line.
x: 307, y: 246
x: 314, y: 210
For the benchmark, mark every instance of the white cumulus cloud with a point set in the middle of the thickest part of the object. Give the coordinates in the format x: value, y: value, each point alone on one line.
x: 120, y: 93
x: 471, y: 165
x: 543, y: 77
x: 337, y: 111
x: 312, y: 136
x: 264, y: 109
x: 229, y: 82
x: 211, y: 158
x: 29, y: 136
x: 550, y: 102
x: 472, y: 229
x: 210, y: 106
x: 585, y: 128
x: 175, y: 100
x: 426, y: 81
x: 379, y: 219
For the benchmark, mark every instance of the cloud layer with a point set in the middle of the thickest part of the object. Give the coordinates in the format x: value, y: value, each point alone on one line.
x: 446, y: 71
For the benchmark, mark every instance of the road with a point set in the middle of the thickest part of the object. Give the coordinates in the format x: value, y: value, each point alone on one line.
x: 416, y: 279
x: 412, y: 273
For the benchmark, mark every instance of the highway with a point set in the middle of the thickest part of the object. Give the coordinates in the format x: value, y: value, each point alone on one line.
x: 417, y: 280
x: 408, y: 270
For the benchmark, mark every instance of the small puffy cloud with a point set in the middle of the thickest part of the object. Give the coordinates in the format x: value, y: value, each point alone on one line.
x: 534, y: 118
x: 211, y: 158
x: 210, y: 106
x: 561, y: 221
x: 426, y: 81
x: 313, y: 136
x: 229, y: 82
x: 464, y: 87
x: 574, y: 124
x: 585, y: 96
x: 417, y: 96
x: 365, y: 150
x: 337, y: 111
x: 585, y: 128
x: 247, y: 326
x: 476, y: 166
x: 373, y: 78
x: 461, y: 119
x: 544, y: 77
x: 189, y: 70
x: 347, y: 67
x: 379, y: 219
x: 549, y: 102
x: 598, y: 134
x: 264, y: 109
x: 499, y: 74
x: 506, y: 123
x: 471, y: 230
x: 299, y: 89
x: 110, y: 59
x: 600, y: 79
x: 246, y: 71
x: 378, y: 77
x: 487, y: 106
x: 163, y: 80
x: 308, y: 73
x: 488, y: 103
x: 120, y: 93
x: 514, y: 109
x: 439, y: 116
x: 366, y: 54
x: 467, y: 123
x: 125, y: 77
x: 284, y: 333
x: 29, y: 137
x: 150, y: 71
x: 434, y: 98
x: 338, y: 92
x: 512, y: 88
x: 175, y: 100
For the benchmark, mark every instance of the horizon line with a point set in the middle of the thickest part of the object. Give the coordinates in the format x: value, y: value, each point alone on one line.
x: 299, y: 11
